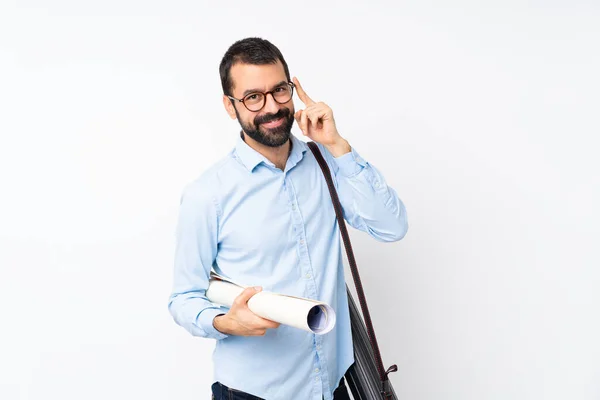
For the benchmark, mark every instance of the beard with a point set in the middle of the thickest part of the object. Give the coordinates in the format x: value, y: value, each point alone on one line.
x: 272, y: 137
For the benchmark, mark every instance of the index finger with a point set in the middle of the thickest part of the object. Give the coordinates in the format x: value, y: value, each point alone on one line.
x: 302, y: 94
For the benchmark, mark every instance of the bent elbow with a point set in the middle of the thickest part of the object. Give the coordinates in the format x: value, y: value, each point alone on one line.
x: 401, y: 231
x: 400, y: 228
x: 394, y: 234
x: 401, y: 224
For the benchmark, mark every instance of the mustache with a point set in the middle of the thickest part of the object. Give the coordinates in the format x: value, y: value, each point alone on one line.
x: 263, y: 119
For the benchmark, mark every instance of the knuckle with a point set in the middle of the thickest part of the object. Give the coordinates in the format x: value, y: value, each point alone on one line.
x: 239, y: 301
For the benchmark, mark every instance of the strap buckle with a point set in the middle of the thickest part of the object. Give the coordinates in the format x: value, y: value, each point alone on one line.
x: 386, y: 385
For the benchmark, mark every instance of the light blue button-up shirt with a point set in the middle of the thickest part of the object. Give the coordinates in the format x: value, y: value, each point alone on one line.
x: 261, y: 226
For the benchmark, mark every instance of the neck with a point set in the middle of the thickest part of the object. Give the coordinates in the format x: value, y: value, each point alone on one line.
x: 277, y: 155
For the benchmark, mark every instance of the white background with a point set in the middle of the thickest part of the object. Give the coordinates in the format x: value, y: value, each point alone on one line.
x: 482, y: 115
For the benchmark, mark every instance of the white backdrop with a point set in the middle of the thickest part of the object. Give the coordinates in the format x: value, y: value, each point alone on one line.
x: 482, y: 115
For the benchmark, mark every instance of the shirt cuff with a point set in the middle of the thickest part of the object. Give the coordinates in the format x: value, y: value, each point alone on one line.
x: 205, y: 322
x: 350, y: 164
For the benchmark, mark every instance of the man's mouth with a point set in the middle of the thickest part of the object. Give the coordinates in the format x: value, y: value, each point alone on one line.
x: 273, y: 124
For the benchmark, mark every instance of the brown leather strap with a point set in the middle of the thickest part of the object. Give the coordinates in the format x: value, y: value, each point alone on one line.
x: 383, y: 373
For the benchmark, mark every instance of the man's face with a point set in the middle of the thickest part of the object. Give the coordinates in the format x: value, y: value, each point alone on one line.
x: 272, y: 125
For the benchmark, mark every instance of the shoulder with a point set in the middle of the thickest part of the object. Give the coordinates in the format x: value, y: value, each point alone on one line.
x: 329, y: 159
x: 206, y: 185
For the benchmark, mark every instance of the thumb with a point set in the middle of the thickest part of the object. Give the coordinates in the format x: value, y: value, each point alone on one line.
x: 243, y: 298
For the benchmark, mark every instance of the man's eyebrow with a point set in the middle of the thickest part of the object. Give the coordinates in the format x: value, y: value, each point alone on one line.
x: 247, y: 92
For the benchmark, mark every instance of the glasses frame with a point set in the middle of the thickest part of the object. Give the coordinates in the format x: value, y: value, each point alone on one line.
x: 290, y: 84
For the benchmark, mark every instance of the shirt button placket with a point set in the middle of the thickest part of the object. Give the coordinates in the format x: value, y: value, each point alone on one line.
x: 300, y: 237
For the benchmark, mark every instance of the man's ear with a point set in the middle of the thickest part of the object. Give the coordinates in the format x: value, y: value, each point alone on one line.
x: 229, y: 107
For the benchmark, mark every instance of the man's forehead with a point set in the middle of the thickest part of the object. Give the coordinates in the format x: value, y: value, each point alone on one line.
x: 260, y: 77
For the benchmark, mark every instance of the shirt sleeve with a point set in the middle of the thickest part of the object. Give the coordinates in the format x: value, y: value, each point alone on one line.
x: 368, y: 203
x: 195, y: 251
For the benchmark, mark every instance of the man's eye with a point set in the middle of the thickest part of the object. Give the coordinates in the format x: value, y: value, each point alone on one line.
x: 252, y: 97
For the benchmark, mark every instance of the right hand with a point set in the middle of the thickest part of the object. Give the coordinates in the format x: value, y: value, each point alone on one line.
x: 240, y: 321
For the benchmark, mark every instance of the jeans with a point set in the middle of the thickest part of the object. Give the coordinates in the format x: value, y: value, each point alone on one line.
x: 222, y: 392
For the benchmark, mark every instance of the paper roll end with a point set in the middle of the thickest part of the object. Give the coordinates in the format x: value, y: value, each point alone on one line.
x: 321, y: 319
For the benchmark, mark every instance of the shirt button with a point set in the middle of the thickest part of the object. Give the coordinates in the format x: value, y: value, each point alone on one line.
x: 316, y: 369
x: 308, y: 276
x: 301, y: 241
x: 294, y: 207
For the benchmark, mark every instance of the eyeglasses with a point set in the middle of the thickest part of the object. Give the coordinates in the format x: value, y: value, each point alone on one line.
x: 256, y: 101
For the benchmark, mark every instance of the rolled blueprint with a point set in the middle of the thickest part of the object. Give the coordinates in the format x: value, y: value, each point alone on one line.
x: 307, y: 314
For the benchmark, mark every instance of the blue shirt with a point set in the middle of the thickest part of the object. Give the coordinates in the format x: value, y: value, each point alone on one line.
x: 261, y: 226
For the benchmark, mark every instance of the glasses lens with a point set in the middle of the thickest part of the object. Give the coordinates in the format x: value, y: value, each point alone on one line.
x: 283, y: 94
x: 254, y: 101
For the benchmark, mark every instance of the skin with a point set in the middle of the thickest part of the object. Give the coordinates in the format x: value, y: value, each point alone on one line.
x: 315, y: 121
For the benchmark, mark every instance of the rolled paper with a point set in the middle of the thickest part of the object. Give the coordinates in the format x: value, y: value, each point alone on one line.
x: 306, y: 314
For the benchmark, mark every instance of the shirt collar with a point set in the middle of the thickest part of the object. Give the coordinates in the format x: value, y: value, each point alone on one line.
x: 298, y: 150
x: 251, y: 158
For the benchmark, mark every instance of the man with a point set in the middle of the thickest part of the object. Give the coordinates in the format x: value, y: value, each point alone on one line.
x: 263, y: 216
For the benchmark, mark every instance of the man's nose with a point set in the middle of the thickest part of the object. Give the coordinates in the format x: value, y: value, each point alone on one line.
x: 271, y: 106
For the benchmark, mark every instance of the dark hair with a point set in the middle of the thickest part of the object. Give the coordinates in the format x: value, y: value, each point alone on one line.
x: 255, y: 51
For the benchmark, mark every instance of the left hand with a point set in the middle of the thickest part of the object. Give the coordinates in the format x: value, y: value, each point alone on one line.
x: 316, y: 120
